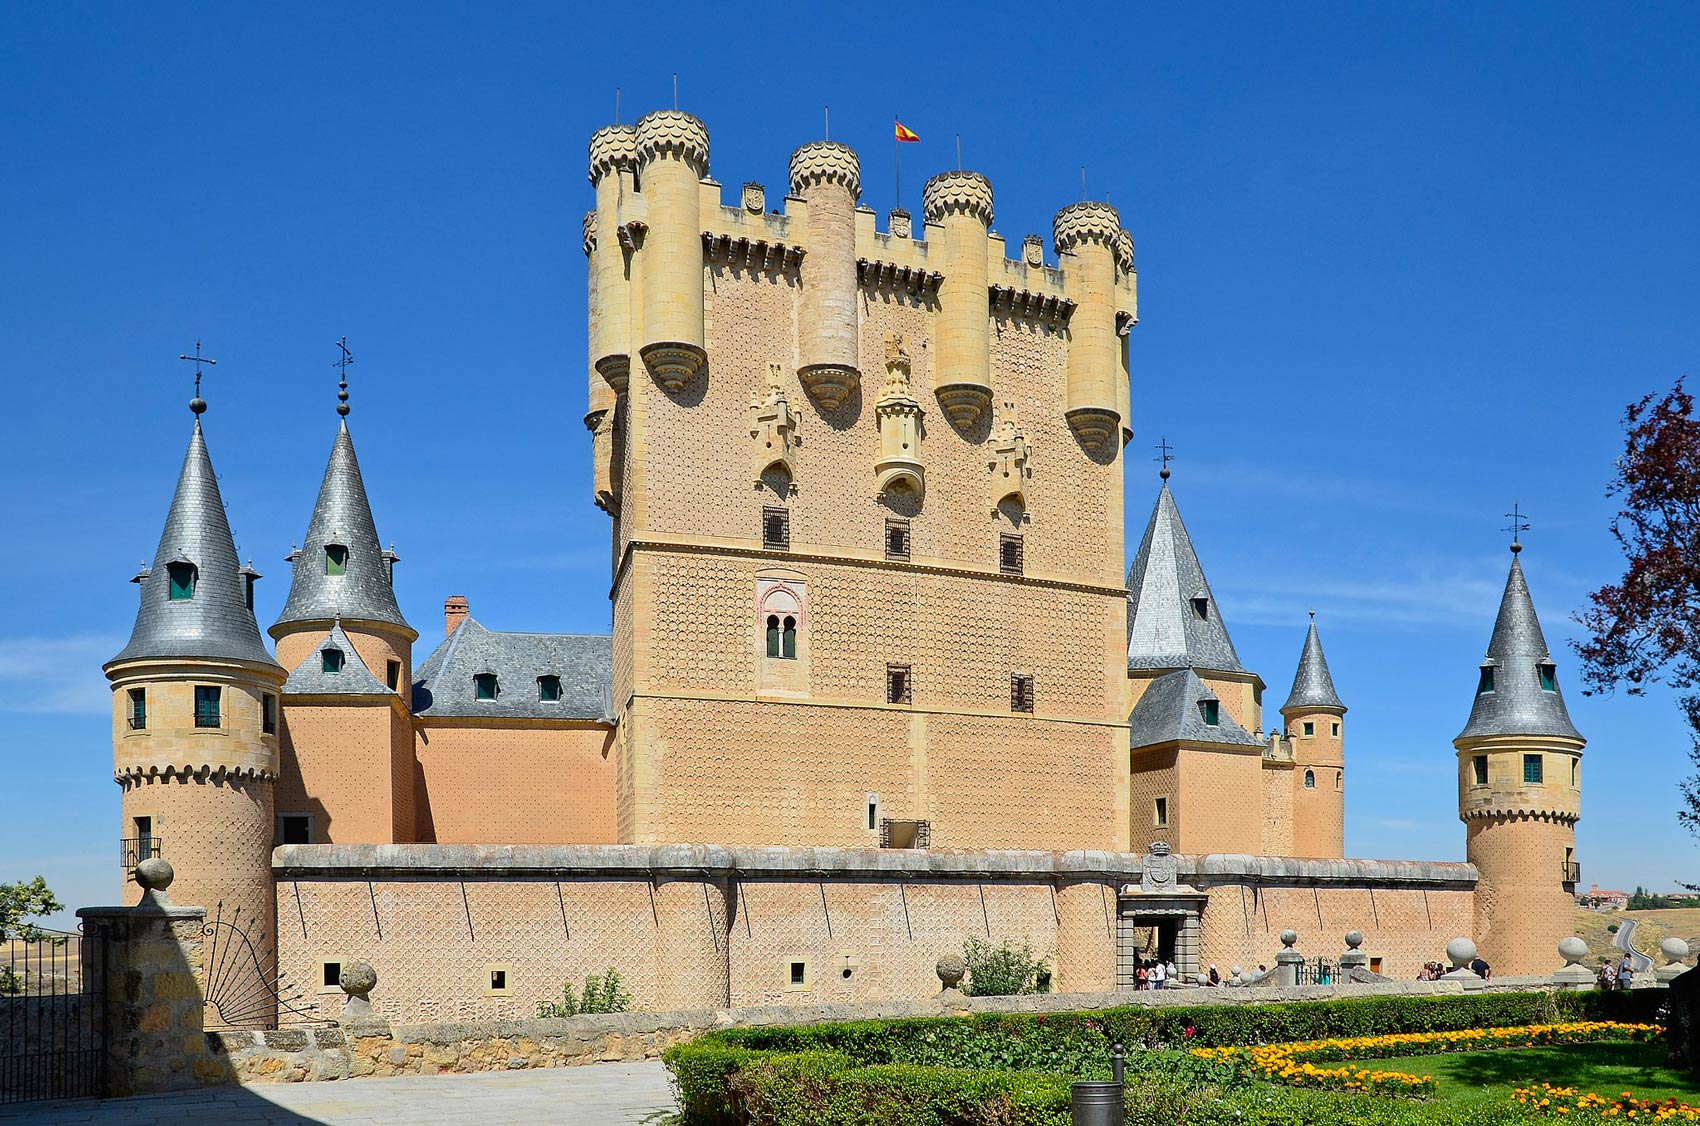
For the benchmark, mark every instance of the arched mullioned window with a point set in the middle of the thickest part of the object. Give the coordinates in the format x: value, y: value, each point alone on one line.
x: 788, y: 639
x: 773, y: 639
x: 779, y: 612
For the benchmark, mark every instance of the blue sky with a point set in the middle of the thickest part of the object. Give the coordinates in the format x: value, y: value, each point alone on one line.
x: 1400, y: 266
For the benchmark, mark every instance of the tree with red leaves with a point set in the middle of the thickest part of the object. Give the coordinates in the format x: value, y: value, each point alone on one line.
x: 1645, y: 629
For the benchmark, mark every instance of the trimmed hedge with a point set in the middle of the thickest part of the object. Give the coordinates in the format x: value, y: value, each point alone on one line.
x: 1015, y: 1070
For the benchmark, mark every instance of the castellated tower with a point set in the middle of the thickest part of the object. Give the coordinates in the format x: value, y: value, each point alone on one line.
x: 347, y: 735
x: 1315, y: 720
x: 1520, y: 791
x: 825, y: 447
x: 195, y: 712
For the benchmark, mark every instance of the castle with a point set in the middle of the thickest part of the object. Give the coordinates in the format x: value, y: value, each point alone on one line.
x: 877, y: 679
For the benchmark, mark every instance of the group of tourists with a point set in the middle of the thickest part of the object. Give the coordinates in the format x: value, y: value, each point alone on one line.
x: 1618, y: 976
x: 1155, y: 973
x: 1434, y: 971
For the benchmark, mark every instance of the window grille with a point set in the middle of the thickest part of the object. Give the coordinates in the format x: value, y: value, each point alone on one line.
x: 1020, y: 692
x: 208, y: 706
x: 1010, y: 554
x: 775, y: 528
x: 897, y: 684
x: 896, y: 539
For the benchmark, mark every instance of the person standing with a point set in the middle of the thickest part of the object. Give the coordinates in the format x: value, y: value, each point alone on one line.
x: 1626, y: 973
x: 1158, y: 974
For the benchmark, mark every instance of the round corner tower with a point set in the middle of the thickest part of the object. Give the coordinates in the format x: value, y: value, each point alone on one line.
x: 1089, y: 235
x: 1314, y: 718
x: 827, y: 177
x: 672, y: 160
x: 195, y: 714
x: 960, y: 205
x: 1520, y: 791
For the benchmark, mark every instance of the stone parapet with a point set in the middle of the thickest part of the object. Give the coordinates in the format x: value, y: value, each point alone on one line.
x: 613, y: 147
x: 845, y: 863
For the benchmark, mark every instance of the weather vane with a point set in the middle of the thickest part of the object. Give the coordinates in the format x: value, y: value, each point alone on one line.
x: 1519, y: 524
x: 341, y: 363
x: 198, y: 404
x: 1165, y: 454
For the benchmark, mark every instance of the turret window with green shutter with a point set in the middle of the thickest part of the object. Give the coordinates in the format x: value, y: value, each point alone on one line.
x: 1485, y: 684
x: 1549, y: 676
x: 549, y: 689
x: 336, y: 559
x: 1212, y: 712
x: 182, y: 577
x: 333, y: 660
x: 209, y: 711
x: 484, y: 686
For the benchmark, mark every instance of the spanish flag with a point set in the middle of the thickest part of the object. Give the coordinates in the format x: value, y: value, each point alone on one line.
x: 904, y: 133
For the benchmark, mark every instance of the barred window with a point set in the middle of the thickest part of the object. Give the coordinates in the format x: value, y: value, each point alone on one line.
x: 1010, y: 554
x: 1020, y: 692
x: 209, y: 711
x: 896, y: 539
x: 138, y: 709
x: 897, y: 684
x: 775, y: 528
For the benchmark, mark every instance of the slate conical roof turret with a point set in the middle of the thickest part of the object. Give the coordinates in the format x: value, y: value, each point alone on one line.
x: 1172, y: 618
x: 1313, y: 686
x: 1521, y: 695
x: 359, y: 587
x: 210, y: 616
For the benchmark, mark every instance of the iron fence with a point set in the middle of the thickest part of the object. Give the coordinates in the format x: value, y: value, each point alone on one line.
x: 52, y: 1043
x: 1319, y: 971
x: 133, y: 850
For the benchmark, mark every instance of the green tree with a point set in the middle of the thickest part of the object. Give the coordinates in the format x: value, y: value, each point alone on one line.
x: 20, y: 902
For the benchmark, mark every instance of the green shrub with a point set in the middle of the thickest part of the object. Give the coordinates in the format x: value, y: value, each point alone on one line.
x: 1002, y: 971
x: 602, y: 994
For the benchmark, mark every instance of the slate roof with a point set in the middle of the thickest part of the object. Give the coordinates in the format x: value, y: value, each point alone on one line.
x: 342, y: 515
x: 1313, y: 686
x: 1169, y: 711
x: 1163, y: 629
x: 309, y: 678
x: 443, y: 685
x: 216, y: 621
x: 1518, y: 705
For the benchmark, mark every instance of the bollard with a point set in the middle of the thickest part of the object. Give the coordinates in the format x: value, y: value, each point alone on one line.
x: 1096, y: 1103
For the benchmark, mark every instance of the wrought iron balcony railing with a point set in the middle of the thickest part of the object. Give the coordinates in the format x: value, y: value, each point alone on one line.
x: 1573, y: 873
x: 133, y: 850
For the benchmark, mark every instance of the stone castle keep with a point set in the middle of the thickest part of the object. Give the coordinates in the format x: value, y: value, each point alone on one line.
x: 880, y: 678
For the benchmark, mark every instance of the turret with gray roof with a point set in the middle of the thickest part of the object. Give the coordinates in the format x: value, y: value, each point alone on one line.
x: 1517, y: 690
x: 1313, y: 685
x: 360, y: 587
x: 1172, y: 618
x: 211, y: 615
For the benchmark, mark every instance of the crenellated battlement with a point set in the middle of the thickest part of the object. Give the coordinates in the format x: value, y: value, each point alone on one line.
x: 612, y: 148
x: 826, y: 162
x: 1087, y: 221
x: 672, y: 135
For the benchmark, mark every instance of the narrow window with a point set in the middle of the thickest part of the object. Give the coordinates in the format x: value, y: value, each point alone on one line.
x: 1162, y: 817
x: 773, y: 635
x: 484, y: 686
x: 336, y: 559
x: 1574, y: 766
x: 1571, y: 872
x: 331, y: 976
x: 268, y: 714
x: 788, y: 639
x: 248, y: 590
x: 549, y: 689
x: 392, y: 674
x: 1310, y: 729
x: 208, y: 710
x: 775, y: 528
x: 1201, y: 608
x: 1020, y: 692
x: 182, y: 580
x: 1533, y: 769
x: 896, y: 538
x: 1334, y: 730
x: 897, y: 684
x: 138, y: 709
x: 145, y: 845
x: 1010, y: 554
x: 1212, y: 712
x: 295, y: 828
x: 333, y: 659
x: 1485, y: 684
x: 873, y: 811
x: 1478, y: 765
x: 1549, y: 676
x: 1310, y: 779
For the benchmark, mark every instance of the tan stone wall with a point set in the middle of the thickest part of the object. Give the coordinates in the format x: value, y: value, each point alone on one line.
x: 1318, y: 813
x: 1522, y: 908
x: 338, y: 765
x: 1241, y: 698
x: 1155, y: 775
x: 514, y: 783
x: 1279, y: 829
x: 1220, y: 795
x: 171, y: 738
x: 1404, y: 927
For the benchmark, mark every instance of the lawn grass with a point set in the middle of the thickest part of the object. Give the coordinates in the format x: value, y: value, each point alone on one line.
x: 1608, y: 1069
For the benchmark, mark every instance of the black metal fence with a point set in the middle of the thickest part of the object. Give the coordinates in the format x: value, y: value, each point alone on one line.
x: 52, y: 1043
x: 1319, y: 971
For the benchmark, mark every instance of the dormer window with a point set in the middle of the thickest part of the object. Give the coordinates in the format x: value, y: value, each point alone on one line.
x: 549, y: 689
x: 1549, y: 676
x: 1201, y: 607
x: 183, y: 577
x: 332, y: 659
x: 1212, y: 710
x: 1485, y: 684
x: 336, y: 559
x: 484, y: 686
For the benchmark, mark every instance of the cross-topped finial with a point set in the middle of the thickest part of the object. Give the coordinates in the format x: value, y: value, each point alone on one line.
x: 198, y: 404
x: 341, y: 363
x: 1519, y: 524
x: 1165, y: 454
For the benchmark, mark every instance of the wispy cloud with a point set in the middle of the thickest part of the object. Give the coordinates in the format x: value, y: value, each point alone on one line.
x: 1440, y: 593
x: 1399, y: 824
x: 57, y: 675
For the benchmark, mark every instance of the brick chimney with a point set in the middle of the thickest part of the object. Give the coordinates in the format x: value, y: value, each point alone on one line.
x: 455, y: 611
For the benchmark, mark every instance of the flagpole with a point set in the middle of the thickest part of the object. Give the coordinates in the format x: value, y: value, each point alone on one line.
x: 897, y: 162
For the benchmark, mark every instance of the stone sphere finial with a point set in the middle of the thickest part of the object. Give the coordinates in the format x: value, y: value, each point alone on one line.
x: 155, y: 874
x: 950, y: 970
x: 1461, y: 951
x: 1289, y: 938
x: 1572, y: 950
x: 357, y: 979
x: 1674, y: 949
x: 1354, y: 939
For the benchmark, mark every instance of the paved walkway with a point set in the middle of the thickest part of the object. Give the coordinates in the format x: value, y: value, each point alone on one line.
x: 608, y: 1094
